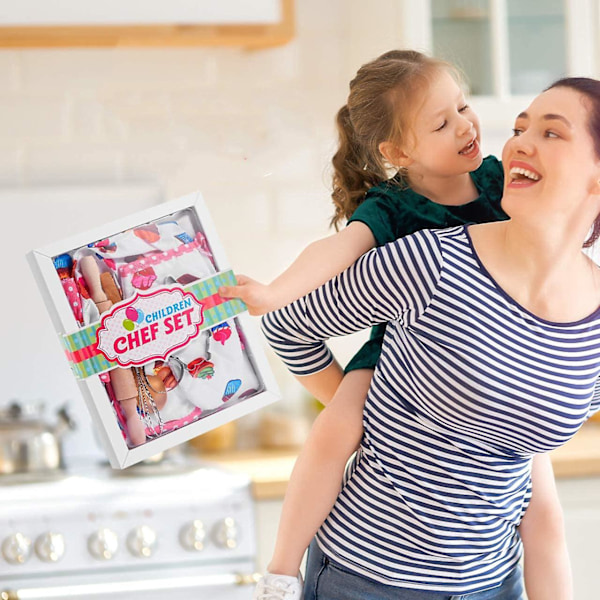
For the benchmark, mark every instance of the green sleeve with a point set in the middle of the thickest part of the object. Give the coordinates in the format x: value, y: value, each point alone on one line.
x: 379, y: 212
x: 368, y: 354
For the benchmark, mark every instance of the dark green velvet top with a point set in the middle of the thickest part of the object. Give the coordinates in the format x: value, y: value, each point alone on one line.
x: 392, y: 211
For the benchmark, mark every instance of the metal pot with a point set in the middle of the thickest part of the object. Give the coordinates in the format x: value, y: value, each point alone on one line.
x: 29, y: 443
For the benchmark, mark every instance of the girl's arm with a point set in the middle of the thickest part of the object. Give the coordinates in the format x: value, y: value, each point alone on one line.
x: 324, y: 384
x: 316, y: 264
x: 317, y: 476
x: 547, y: 566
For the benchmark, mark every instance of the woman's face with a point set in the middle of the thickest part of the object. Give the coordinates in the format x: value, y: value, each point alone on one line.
x: 550, y: 163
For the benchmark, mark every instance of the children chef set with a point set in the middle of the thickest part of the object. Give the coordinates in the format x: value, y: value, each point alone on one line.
x: 159, y: 356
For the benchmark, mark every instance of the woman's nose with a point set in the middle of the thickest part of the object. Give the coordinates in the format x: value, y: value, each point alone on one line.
x: 523, y: 144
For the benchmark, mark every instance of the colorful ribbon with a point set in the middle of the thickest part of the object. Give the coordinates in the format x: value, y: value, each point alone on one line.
x: 81, y: 346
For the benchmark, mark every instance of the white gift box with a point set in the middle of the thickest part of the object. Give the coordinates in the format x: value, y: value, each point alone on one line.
x: 194, y: 359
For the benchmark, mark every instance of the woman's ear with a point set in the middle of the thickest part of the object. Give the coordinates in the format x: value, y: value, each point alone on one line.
x: 394, y: 154
x: 596, y: 184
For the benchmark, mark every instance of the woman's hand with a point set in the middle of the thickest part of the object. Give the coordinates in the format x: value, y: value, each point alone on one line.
x: 259, y: 298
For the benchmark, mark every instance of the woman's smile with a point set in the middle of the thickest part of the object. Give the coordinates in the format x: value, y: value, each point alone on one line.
x: 521, y: 175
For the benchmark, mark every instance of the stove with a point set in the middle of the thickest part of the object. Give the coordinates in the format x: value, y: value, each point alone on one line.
x: 184, y: 528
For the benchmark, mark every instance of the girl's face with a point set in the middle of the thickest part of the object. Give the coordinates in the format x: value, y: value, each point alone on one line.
x: 550, y: 163
x: 445, y: 133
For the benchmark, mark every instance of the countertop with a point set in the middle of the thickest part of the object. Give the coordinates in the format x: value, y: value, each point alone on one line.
x: 581, y: 456
x: 270, y: 470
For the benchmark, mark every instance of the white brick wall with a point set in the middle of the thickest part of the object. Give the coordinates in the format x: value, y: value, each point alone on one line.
x: 253, y: 130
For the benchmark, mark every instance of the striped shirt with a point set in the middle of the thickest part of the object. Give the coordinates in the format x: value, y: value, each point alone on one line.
x: 469, y: 386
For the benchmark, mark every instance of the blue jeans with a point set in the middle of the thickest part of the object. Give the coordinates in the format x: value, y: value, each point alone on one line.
x: 326, y: 580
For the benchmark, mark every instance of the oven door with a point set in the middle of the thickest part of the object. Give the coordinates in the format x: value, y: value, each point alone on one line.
x: 206, y: 583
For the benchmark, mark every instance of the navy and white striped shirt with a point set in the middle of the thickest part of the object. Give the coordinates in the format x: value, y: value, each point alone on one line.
x: 469, y: 386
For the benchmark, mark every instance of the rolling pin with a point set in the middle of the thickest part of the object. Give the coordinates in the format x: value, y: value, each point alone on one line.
x: 122, y: 379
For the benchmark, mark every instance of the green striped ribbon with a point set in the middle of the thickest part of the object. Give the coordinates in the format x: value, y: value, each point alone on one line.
x: 81, y: 346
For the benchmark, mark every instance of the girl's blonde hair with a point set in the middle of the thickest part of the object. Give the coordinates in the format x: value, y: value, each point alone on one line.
x: 383, y: 98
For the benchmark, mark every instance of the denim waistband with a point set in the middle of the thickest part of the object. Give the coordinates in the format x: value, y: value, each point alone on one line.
x: 328, y: 580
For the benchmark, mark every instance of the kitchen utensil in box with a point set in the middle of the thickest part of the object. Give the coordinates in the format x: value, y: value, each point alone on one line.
x: 158, y: 355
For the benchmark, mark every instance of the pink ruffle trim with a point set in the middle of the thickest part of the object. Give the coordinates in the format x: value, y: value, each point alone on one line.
x: 155, y: 258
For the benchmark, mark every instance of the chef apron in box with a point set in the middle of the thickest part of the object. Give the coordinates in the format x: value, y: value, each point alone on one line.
x: 213, y: 368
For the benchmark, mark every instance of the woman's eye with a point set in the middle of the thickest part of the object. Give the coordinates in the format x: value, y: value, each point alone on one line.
x: 441, y: 126
x: 551, y: 134
x: 462, y: 109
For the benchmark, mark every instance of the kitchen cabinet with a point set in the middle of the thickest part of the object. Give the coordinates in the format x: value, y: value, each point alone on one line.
x: 84, y: 23
x: 267, y: 514
x: 508, y: 47
x: 267, y: 520
x: 510, y: 50
x: 580, y: 499
x: 116, y: 12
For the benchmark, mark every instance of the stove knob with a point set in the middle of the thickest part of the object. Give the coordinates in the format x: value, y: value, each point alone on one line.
x: 225, y: 533
x: 141, y: 541
x: 103, y: 544
x: 16, y: 548
x: 50, y: 547
x: 191, y: 536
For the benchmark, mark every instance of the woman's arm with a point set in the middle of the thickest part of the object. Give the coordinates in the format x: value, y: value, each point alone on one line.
x: 547, y: 566
x: 392, y: 283
x: 316, y: 264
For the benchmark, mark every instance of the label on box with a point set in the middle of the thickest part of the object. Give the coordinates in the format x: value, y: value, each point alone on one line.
x: 149, y: 326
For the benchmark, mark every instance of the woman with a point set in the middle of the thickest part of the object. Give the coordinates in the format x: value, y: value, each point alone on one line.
x: 491, y: 355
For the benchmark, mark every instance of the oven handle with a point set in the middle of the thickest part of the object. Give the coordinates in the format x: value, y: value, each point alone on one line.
x: 95, y: 589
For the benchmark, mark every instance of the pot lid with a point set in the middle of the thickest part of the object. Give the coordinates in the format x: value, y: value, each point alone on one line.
x: 21, y: 411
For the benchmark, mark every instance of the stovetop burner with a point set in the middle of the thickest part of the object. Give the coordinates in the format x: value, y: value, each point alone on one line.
x: 166, y: 464
x: 174, y: 463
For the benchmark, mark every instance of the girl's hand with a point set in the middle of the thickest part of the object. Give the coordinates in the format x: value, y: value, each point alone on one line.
x: 257, y: 296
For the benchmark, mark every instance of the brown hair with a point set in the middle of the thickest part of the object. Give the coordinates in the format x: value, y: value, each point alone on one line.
x: 590, y: 89
x: 380, y: 103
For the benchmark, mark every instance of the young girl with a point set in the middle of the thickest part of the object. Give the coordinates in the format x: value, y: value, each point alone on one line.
x: 405, y: 111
